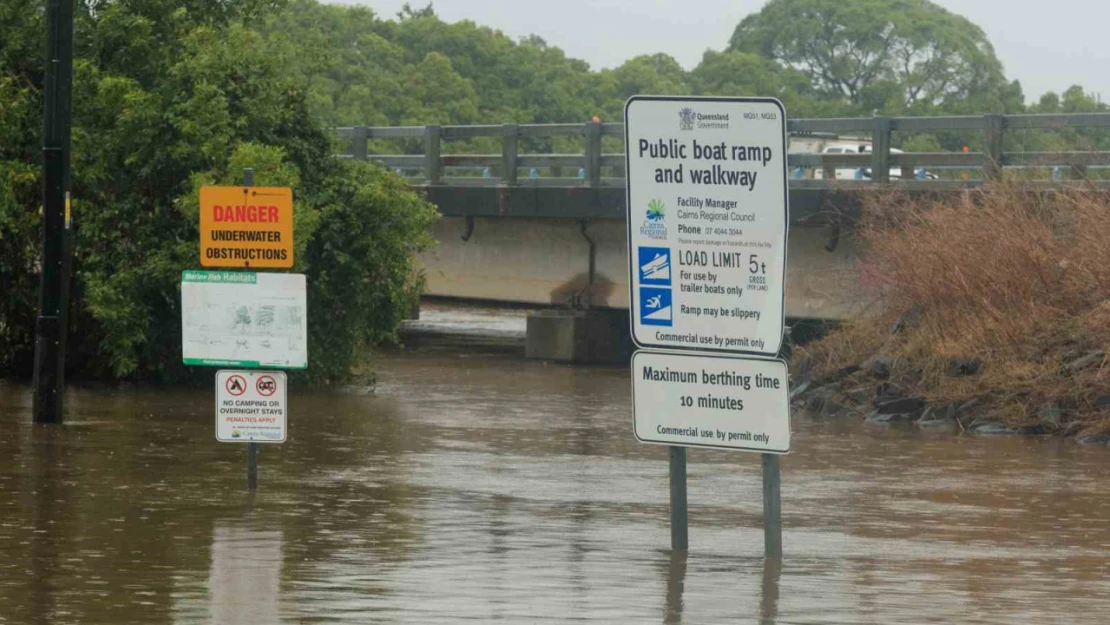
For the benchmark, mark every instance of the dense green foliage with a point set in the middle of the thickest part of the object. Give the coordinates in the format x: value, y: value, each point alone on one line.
x: 167, y: 97
x: 171, y: 95
x: 365, y: 70
x: 888, y: 55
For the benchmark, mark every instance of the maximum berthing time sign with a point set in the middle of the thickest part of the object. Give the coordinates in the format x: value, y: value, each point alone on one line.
x: 707, y: 222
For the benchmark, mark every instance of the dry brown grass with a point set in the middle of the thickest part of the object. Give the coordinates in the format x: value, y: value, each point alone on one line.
x: 1015, y: 278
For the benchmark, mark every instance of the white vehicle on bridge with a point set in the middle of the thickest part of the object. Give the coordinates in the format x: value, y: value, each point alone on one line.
x: 864, y: 173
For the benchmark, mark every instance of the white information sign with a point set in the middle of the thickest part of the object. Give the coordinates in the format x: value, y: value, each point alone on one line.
x: 244, y: 319
x: 707, y: 222
x: 711, y: 401
x: 250, y: 406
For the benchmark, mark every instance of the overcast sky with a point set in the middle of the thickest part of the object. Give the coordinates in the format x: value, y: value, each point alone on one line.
x: 1048, y: 46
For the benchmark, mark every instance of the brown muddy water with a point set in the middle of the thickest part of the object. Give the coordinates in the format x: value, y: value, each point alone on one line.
x: 477, y: 486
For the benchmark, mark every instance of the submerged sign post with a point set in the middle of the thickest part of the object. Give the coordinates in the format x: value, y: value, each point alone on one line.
x: 245, y: 318
x: 707, y: 228
x: 251, y: 408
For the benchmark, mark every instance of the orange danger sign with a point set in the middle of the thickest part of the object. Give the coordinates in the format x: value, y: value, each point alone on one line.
x: 246, y: 227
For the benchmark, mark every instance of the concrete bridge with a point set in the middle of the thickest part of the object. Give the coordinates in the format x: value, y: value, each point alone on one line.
x: 535, y: 225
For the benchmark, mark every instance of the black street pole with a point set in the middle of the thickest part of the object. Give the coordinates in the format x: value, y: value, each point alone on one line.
x: 50, y: 328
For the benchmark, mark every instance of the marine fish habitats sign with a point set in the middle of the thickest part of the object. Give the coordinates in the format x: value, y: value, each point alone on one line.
x: 250, y: 227
x: 707, y: 222
x: 724, y: 402
x: 251, y: 406
x: 244, y: 319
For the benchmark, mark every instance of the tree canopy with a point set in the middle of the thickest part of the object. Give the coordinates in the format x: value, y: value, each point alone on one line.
x: 881, y: 54
x: 820, y: 57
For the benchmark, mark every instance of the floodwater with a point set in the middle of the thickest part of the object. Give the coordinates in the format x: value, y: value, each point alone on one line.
x: 473, y: 485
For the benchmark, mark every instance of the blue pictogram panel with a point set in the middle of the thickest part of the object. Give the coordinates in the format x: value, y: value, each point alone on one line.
x: 655, y: 307
x: 655, y: 266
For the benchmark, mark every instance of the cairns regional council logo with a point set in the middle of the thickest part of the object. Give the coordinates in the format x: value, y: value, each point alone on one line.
x: 653, y: 226
x: 686, y: 118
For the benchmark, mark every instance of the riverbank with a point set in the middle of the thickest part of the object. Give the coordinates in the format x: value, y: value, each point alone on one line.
x: 992, y: 315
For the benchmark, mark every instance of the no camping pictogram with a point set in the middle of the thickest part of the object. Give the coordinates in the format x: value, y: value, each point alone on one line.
x: 236, y: 385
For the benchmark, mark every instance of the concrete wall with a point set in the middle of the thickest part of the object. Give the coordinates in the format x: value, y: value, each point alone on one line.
x: 546, y: 261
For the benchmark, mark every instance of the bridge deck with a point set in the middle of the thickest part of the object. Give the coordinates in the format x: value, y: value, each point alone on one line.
x: 566, y: 244
x: 596, y: 168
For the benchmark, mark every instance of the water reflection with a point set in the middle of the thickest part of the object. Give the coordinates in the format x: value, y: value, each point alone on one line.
x: 769, y: 591
x: 244, y: 581
x: 676, y: 582
x: 45, y: 497
x: 480, y: 486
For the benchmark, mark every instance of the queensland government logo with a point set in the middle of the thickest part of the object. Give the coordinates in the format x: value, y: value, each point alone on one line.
x: 689, y: 119
x: 653, y: 226
x: 686, y: 118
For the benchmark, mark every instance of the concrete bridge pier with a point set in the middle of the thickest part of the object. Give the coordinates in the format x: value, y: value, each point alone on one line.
x: 595, y: 336
x: 577, y: 267
x: 580, y: 271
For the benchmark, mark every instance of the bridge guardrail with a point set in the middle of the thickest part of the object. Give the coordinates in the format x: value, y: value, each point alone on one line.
x: 504, y: 168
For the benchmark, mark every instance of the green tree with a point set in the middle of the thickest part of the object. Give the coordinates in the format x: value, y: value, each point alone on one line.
x: 1073, y: 100
x: 900, y: 55
x: 741, y: 73
x: 19, y: 257
x: 438, y: 93
x: 656, y: 74
x: 169, y: 96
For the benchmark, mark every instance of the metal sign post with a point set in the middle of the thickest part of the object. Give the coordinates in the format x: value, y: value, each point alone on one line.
x: 252, y: 466
x: 772, y: 507
x: 252, y: 447
x: 251, y: 407
x: 246, y: 319
x: 680, y: 526
x: 707, y: 229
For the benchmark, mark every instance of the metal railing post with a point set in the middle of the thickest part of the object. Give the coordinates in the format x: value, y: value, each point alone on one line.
x: 993, y: 145
x: 880, y: 150
x: 593, y: 153
x: 509, y: 153
x: 908, y: 172
x: 360, y: 140
x: 433, y: 163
